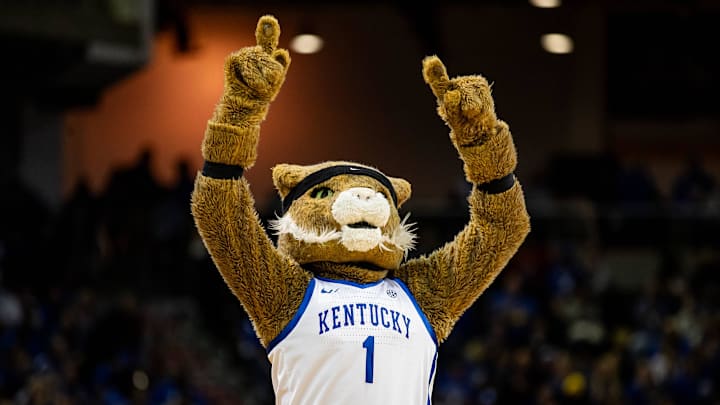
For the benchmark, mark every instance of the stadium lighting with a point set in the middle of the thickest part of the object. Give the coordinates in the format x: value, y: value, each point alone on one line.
x: 557, y: 43
x: 546, y: 3
x: 306, y: 43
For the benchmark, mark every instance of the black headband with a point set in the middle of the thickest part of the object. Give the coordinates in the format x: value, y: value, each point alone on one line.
x: 319, y: 176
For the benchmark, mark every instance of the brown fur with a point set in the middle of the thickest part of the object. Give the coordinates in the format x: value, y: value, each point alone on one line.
x: 270, y: 282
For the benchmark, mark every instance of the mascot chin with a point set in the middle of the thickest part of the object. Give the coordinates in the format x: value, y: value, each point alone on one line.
x: 344, y: 317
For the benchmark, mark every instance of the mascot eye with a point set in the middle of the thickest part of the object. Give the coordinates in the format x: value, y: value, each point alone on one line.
x: 322, y: 192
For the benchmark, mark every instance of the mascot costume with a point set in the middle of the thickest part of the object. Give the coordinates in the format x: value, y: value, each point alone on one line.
x: 344, y: 319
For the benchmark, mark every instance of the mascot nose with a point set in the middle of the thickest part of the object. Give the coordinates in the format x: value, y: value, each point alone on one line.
x: 363, y: 194
x: 361, y: 205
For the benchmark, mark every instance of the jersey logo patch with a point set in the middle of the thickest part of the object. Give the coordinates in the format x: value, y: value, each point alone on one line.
x: 391, y: 293
x: 324, y: 291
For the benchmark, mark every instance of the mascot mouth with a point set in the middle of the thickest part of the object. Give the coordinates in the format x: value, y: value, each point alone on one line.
x: 362, y: 225
x: 360, y: 236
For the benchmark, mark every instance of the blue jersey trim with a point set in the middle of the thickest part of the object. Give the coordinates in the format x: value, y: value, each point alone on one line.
x: 358, y: 285
x: 432, y: 374
x: 295, y: 319
x: 420, y: 312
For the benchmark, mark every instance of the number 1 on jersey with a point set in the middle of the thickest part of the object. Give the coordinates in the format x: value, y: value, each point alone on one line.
x: 369, y: 345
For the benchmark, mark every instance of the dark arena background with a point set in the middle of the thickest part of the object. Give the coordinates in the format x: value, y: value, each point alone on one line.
x: 107, y: 295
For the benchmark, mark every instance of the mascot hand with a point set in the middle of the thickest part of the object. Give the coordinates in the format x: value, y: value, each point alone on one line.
x: 253, y: 77
x: 483, y: 141
x: 465, y: 102
x: 258, y: 72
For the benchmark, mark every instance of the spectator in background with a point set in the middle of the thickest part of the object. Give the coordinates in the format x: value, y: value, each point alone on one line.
x: 694, y: 185
x: 697, y: 198
x: 635, y: 185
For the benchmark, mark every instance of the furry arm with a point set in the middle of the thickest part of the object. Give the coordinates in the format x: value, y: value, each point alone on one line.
x: 269, y: 285
x: 450, y: 279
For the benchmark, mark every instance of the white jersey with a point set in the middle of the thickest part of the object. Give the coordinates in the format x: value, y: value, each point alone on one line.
x: 355, y: 344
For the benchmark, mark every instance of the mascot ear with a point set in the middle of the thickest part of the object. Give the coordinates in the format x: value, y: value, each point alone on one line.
x: 286, y: 176
x: 402, y: 189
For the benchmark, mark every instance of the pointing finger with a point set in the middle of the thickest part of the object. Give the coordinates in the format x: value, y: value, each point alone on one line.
x: 435, y: 75
x: 267, y: 33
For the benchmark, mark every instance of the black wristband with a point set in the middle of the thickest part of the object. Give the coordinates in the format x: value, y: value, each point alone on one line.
x: 222, y: 171
x: 498, y: 186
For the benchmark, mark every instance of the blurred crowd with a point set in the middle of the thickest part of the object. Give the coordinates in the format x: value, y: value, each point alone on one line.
x: 112, y: 299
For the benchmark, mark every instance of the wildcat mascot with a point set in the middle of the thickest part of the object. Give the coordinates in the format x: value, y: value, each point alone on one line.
x: 344, y: 319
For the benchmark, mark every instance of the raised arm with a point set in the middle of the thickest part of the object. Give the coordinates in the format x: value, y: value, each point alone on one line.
x: 450, y: 279
x: 269, y: 285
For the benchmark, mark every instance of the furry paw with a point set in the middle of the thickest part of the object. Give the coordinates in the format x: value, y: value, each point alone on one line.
x: 463, y: 102
x: 258, y: 71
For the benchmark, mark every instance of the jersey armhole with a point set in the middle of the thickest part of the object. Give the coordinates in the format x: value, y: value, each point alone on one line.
x: 420, y: 312
x: 295, y: 319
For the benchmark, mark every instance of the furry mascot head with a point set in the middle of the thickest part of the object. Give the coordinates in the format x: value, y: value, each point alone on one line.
x: 342, y: 212
x: 344, y: 317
